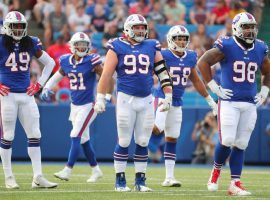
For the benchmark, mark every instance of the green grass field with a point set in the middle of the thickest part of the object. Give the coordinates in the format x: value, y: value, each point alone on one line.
x: 194, y: 179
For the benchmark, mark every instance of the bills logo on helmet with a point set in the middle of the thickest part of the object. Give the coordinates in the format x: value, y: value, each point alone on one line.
x: 18, y: 16
x: 236, y: 19
x: 82, y: 35
x: 250, y: 17
x: 182, y: 29
x: 141, y: 18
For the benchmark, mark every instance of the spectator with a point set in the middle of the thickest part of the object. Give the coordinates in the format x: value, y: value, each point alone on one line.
x: 91, y: 6
x: 199, y: 14
x: 226, y: 31
x: 156, y: 15
x: 197, y: 46
x: 4, y: 9
x: 236, y: 8
x: 141, y: 7
x: 220, y: 12
x: 70, y: 6
x: 119, y: 14
x: 175, y: 12
x: 204, y: 39
x: 57, y: 22
x: 110, y: 33
x: 41, y: 11
x: 205, y: 134
x: 58, y: 49
x: 79, y: 21
x: 152, y: 34
x: 99, y: 19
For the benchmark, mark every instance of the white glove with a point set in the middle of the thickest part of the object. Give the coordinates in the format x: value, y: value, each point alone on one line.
x: 261, y: 96
x: 100, y: 103
x: 218, y: 90
x: 165, y: 104
x: 212, y: 104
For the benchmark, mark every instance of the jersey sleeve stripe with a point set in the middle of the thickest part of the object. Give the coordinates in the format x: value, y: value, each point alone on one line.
x: 96, y: 62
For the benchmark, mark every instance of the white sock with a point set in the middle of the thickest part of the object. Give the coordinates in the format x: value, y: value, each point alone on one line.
x: 68, y: 169
x: 95, y: 169
x: 35, y: 156
x: 120, y: 166
x: 140, y: 167
x: 6, y: 161
x: 169, y: 165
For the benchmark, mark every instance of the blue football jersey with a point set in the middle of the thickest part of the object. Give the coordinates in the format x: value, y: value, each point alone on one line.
x: 14, y: 66
x: 239, y: 67
x: 82, y: 77
x: 180, y: 69
x: 135, y: 65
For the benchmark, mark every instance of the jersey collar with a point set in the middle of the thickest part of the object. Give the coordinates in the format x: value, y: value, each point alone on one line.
x: 185, y: 54
x: 71, y: 60
x: 243, y: 48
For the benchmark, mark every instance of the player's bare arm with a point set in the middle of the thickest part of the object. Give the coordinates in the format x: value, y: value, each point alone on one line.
x: 263, y: 94
x: 197, y: 83
x: 208, y: 59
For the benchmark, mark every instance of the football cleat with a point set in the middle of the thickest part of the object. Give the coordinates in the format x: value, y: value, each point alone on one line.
x: 41, y: 182
x: 64, y: 174
x: 11, y: 183
x: 140, y: 183
x: 171, y: 182
x: 96, y: 174
x: 236, y: 189
x: 212, y: 184
x: 120, y: 183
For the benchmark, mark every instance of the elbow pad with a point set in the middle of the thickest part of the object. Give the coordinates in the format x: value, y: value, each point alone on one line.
x: 162, y: 73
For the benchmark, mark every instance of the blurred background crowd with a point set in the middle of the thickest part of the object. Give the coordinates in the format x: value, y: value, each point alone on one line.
x: 54, y: 21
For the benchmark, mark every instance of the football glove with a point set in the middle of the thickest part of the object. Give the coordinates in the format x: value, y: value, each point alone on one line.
x: 4, y: 90
x: 108, y: 98
x: 218, y: 90
x: 165, y: 104
x: 100, y: 103
x: 33, y: 89
x: 261, y: 96
x: 212, y: 104
x: 46, y: 94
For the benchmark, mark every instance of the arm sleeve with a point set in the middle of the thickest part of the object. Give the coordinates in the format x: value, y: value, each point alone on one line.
x: 49, y: 64
x: 54, y: 80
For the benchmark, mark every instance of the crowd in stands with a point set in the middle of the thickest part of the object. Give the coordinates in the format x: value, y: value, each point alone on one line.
x: 104, y: 19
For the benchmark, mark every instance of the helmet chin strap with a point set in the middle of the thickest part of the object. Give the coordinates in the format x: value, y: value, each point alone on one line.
x: 244, y: 43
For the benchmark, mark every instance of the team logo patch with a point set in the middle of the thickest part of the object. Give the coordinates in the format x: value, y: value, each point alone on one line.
x: 182, y: 29
x: 18, y: 16
x: 236, y: 19
x: 249, y: 16
x: 81, y: 35
x: 141, y: 18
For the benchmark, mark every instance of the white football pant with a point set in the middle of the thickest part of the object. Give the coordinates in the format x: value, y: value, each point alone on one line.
x: 81, y: 117
x: 236, y: 123
x: 134, y: 114
x: 23, y: 106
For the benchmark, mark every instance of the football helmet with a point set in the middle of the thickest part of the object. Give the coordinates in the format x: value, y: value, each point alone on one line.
x: 15, y: 25
x: 133, y: 20
x: 174, y: 32
x: 80, y: 44
x: 244, y: 26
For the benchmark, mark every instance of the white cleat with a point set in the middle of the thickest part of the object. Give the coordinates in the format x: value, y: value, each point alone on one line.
x: 11, y: 183
x: 171, y: 182
x: 122, y: 189
x: 63, y: 174
x: 212, y: 184
x: 41, y: 182
x: 142, y: 188
x: 96, y: 174
x: 236, y: 189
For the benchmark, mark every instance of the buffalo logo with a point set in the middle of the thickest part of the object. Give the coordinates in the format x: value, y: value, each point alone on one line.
x: 182, y: 29
x: 249, y: 16
x: 141, y: 18
x: 18, y: 16
x: 81, y: 35
x: 236, y: 19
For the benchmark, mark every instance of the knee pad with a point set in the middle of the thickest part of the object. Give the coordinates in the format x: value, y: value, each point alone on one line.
x: 84, y: 140
x: 227, y: 141
x: 124, y: 141
x: 241, y: 144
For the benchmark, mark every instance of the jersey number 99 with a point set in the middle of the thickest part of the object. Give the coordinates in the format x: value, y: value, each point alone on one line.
x: 142, y: 66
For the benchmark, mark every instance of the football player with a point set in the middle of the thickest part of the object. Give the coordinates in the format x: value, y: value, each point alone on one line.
x: 17, y: 100
x: 134, y: 58
x: 81, y: 69
x: 241, y: 57
x: 181, y: 64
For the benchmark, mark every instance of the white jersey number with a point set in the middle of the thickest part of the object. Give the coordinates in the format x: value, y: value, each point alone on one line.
x: 176, y: 76
x: 244, y: 71
x: 74, y: 81
x: 23, y: 65
x: 130, y: 60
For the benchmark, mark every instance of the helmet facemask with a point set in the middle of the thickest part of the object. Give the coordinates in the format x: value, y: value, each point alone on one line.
x: 81, y: 48
x: 178, y: 43
x: 248, y: 32
x: 139, y: 32
x: 17, y: 30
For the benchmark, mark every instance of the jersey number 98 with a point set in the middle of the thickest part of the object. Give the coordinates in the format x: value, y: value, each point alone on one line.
x: 244, y: 71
